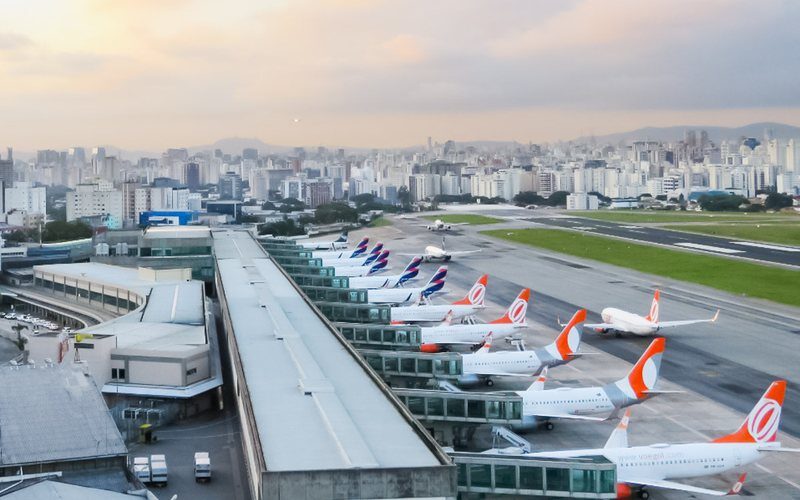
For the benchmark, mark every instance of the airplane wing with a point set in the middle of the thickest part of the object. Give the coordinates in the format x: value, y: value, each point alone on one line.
x: 462, y: 252
x: 668, y: 324
x: 672, y: 485
x: 599, y: 326
x: 458, y: 224
x: 573, y: 417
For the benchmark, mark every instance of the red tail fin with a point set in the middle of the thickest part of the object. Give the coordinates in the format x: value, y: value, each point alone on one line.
x: 569, y: 340
x: 653, y: 314
x: 761, y: 425
x: 476, y: 294
x: 516, y: 311
x: 644, y: 374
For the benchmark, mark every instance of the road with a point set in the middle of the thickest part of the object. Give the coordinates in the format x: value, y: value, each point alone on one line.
x: 728, y: 247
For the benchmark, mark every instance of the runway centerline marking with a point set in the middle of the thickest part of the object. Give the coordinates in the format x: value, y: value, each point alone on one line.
x: 708, y: 248
x: 768, y: 247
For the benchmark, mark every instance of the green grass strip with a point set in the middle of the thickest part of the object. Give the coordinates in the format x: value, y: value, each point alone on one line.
x: 739, y: 277
x: 462, y: 218
x: 651, y: 216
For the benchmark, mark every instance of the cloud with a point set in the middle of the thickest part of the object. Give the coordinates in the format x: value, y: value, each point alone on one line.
x: 14, y: 41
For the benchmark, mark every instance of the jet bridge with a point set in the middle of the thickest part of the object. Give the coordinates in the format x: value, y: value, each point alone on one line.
x: 452, y: 417
x: 293, y: 269
x: 367, y: 336
x: 413, y: 369
x: 317, y: 280
x: 482, y: 474
x: 355, y: 313
x: 330, y: 294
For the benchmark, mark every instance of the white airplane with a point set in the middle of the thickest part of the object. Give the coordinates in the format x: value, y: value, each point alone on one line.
x: 340, y: 242
x: 432, y: 252
x: 468, y: 306
x: 657, y: 465
x: 583, y: 403
x: 439, y: 225
x: 617, y: 320
x: 365, y: 259
x: 352, y: 271
x: 482, y: 365
x: 388, y: 280
x: 436, y: 338
x: 358, y: 251
x: 405, y: 295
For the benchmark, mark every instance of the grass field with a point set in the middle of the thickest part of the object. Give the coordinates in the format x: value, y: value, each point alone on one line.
x: 461, y: 218
x: 786, y: 234
x: 648, y: 216
x: 380, y: 222
x: 740, y: 277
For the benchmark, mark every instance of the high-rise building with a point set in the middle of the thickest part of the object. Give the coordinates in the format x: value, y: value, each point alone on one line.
x: 318, y: 192
x: 250, y: 154
x: 7, y: 169
x: 230, y: 186
x: 191, y: 175
x: 88, y: 200
x: 24, y: 197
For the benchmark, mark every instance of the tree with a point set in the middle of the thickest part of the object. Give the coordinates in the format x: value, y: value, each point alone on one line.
x: 558, y: 198
x: 17, y: 236
x: 268, y: 205
x: 528, y: 198
x: 292, y: 205
x: 776, y: 201
x: 601, y: 197
x: 404, y: 196
x: 330, y: 213
x: 720, y: 203
x: 286, y: 227
x: 363, y: 198
x: 247, y: 218
x: 20, y: 340
x: 65, y: 231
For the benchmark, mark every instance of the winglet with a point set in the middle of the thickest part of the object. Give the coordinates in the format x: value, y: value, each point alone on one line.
x: 569, y: 340
x: 619, y: 436
x: 738, y: 485
x: 761, y: 424
x: 486, y: 345
x: 515, y: 314
x: 476, y: 294
x: 538, y: 384
x: 716, y: 315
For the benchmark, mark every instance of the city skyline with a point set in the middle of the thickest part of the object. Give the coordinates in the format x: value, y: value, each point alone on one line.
x: 142, y: 75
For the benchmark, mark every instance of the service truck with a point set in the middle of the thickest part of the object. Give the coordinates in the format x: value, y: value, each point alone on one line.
x: 202, y: 466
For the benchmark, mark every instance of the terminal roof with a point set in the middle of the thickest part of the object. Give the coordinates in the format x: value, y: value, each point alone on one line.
x: 314, y: 404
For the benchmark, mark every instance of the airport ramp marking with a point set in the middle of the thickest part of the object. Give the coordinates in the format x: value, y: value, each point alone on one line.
x: 708, y: 248
x: 764, y: 245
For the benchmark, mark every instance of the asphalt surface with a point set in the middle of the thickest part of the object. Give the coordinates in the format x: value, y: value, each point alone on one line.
x: 729, y: 247
x: 731, y: 362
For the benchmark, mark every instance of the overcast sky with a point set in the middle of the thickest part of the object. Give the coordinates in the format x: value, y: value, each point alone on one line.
x: 150, y: 74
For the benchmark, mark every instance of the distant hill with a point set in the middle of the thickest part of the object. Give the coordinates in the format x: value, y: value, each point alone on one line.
x: 716, y: 134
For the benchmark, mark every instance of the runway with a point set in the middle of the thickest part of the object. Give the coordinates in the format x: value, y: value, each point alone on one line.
x: 729, y: 247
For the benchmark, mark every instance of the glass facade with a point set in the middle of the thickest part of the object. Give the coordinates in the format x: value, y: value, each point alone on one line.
x: 462, y: 406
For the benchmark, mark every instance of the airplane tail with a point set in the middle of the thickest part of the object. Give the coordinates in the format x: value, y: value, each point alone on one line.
x: 516, y: 311
x: 538, y: 384
x: 476, y: 294
x: 619, y: 437
x: 411, y: 271
x: 569, y: 340
x: 361, y: 248
x: 653, y: 314
x: 342, y: 238
x: 381, y: 262
x: 374, y: 253
x: 641, y: 380
x: 436, y: 282
x: 761, y: 424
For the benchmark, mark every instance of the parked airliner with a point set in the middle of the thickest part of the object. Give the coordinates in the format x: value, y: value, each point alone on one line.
x: 358, y: 251
x: 340, y: 242
x: 468, y: 306
x: 584, y: 403
x: 405, y: 295
x: 483, y: 364
x: 436, y: 338
x: 364, y: 259
x: 657, y: 465
x: 350, y: 271
x: 617, y: 320
x: 388, y: 280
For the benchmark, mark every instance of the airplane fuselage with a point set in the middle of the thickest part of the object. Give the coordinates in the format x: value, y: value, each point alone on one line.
x: 671, y: 461
x: 393, y: 295
x: 435, y: 253
x: 625, y: 321
x: 374, y: 282
x: 582, y: 401
x: 346, y: 261
x: 432, y: 313
x: 459, y: 334
x: 351, y: 272
x: 509, y: 362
